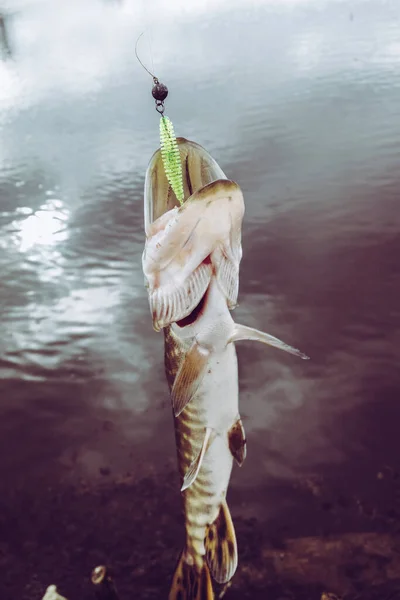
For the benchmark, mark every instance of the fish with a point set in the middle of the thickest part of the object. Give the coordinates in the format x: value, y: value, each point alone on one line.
x: 191, y: 265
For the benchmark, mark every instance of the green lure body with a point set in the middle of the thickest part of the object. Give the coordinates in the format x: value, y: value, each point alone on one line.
x: 171, y: 157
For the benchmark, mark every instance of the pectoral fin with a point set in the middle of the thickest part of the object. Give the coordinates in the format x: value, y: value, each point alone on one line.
x: 194, y: 468
x: 241, y: 332
x: 189, y: 377
x: 237, y: 442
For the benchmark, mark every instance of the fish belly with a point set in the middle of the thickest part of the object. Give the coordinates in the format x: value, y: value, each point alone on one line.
x: 215, y: 405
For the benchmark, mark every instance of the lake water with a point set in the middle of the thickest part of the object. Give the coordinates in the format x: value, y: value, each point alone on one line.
x: 299, y: 102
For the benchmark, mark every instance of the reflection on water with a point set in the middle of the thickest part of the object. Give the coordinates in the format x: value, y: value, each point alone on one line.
x: 299, y: 103
x: 45, y: 227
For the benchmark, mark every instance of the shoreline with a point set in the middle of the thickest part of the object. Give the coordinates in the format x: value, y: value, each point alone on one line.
x: 58, y: 535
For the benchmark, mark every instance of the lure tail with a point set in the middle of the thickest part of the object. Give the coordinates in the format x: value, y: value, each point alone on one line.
x: 171, y: 157
x: 191, y: 582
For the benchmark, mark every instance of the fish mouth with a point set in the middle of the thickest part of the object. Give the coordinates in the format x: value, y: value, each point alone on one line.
x: 171, y: 302
x: 198, y: 309
x: 194, y: 315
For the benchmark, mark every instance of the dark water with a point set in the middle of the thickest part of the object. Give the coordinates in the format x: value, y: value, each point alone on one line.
x: 299, y: 102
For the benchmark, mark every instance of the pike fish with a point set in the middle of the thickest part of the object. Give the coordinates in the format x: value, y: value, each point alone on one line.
x: 191, y: 266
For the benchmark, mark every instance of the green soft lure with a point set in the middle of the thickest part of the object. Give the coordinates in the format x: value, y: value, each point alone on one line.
x: 171, y: 157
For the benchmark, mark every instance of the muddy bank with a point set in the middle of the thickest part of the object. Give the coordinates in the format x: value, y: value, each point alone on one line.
x: 59, y: 535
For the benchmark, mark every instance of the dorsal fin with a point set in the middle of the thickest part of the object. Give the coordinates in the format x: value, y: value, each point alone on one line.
x: 237, y: 442
x: 195, y: 465
x: 189, y: 377
x: 221, y: 547
x: 241, y: 332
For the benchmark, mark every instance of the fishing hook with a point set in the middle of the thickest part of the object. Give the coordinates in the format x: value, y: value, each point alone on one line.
x: 159, y: 91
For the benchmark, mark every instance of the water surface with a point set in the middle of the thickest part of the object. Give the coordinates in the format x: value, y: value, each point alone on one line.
x: 299, y: 102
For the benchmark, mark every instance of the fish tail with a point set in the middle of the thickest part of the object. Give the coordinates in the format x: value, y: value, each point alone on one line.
x: 191, y: 582
x: 221, y: 546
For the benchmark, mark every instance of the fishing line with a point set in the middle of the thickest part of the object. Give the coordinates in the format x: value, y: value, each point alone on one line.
x: 169, y: 147
x: 148, y: 30
x: 144, y: 67
x: 151, y: 49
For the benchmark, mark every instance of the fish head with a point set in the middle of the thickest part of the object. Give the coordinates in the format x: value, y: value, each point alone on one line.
x: 187, y: 245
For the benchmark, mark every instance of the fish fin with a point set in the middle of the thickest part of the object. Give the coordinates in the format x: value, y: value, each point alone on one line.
x: 191, y: 582
x: 172, y: 303
x: 227, y: 275
x: 241, y: 332
x: 221, y: 546
x: 189, y: 377
x: 237, y: 442
x: 195, y: 465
